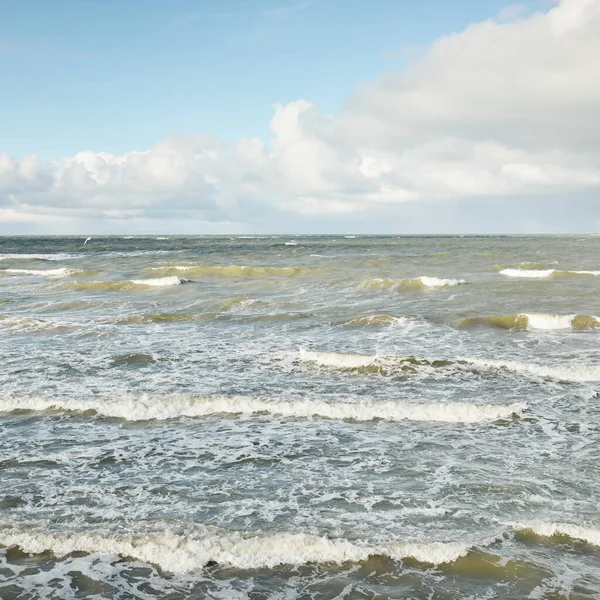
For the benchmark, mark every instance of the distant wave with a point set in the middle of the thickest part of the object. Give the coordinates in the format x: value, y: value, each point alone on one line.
x: 535, y: 321
x: 160, y: 281
x: 374, y: 321
x: 31, y: 324
x: 115, y: 286
x: 156, y: 318
x: 388, y: 365
x: 418, y: 283
x: 164, y: 408
x: 44, y: 256
x: 179, y: 554
x: 62, y: 272
x: 241, y: 271
x: 541, y: 273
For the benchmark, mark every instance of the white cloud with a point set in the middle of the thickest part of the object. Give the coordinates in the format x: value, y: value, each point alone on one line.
x: 503, y: 110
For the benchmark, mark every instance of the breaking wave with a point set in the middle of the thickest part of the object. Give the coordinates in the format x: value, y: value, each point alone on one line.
x: 374, y: 321
x: 32, y: 257
x: 540, y: 273
x: 164, y: 408
x: 387, y: 365
x: 63, y: 272
x: 115, y: 286
x: 179, y: 554
x: 31, y: 324
x: 574, y: 532
x: 418, y: 283
x: 160, y: 281
x: 535, y: 321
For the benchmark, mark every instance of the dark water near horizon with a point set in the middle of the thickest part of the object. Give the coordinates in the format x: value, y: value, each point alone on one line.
x: 300, y: 417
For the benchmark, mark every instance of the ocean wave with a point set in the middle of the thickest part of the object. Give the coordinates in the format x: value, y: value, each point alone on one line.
x: 390, y: 365
x: 31, y: 324
x: 567, y: 530
x: 191, y: 553
x: 418, y: 283
x: 62, y: 272
x: 375, y: 321
x: 43, y: 256
x: 241, y: 271
x: 116, y: 286
x: 575, y: 373
x: 164, y: 408
x: 541, y: 273
x: 179, y: 554
x: 160, y: 281
x: 156, y: 318
x: 535, y: 321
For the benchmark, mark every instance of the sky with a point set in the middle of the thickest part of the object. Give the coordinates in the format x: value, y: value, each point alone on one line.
x: 291, y: 116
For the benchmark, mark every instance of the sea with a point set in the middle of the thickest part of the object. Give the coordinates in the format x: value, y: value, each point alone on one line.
x: 300, y: 417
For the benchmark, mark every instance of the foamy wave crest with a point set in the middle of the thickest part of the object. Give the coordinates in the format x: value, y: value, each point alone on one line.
x: 541, y: 273
x: 576, y: 373
x: 31, y: 324
x: 63, y: 272
x: 535, y: 321
x: 178, y: 554
x: 144, y: 408
x: 160, y: 281
x: 576, y: 532
x: 527, y: 272
x: 437, y: 282
x: 116, y: 286
x: 418, y: 283
x: 31, y: 257
x: 376, y: 321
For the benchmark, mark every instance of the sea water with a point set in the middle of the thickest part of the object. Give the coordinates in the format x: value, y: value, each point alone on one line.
x: 300, y: 417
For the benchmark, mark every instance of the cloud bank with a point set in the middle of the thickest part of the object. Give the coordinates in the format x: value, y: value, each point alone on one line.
x: 502, y: 118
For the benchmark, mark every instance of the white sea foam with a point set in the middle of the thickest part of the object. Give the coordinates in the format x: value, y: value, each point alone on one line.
x: 162, y: 408
x: 62, y: 272
x: 527, y: 272
x: 540, y: 273
x: 548, y: 322
x: 160, y: 281
x: 179, y: 554
x: 437, y: 282
x: 339, y: 359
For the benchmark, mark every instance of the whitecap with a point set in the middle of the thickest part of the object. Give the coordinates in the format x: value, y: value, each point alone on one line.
x: 178, y: 554
x: 160, y: 281
x: 163, y: 408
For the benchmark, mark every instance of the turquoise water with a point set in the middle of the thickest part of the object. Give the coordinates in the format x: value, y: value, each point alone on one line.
x: 300, y: 417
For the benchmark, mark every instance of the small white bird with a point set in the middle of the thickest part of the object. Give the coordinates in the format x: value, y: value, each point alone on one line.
x: 86, y: 241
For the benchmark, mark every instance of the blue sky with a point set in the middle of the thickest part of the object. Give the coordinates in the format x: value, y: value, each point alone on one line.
x: 299, y: 116
x: 117, y: 75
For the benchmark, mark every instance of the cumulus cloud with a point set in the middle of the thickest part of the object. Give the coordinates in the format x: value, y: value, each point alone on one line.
x: 504, y: 110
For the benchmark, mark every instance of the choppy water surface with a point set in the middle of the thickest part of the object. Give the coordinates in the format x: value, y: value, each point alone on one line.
x: 311, y: 417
